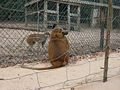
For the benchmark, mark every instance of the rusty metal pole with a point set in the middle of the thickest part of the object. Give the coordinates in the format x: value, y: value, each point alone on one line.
x: 102, y: 18
x: 107, y: 46
x: 102, y: 22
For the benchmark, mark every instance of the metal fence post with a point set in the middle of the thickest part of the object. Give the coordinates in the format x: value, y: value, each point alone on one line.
x: 101, y: 28
x: 107, y: 46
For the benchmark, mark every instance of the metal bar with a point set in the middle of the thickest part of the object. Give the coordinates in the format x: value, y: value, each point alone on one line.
x: 3, y: 8
x: 77, y: 2
x: 107, y: 46
x: 102, y: 22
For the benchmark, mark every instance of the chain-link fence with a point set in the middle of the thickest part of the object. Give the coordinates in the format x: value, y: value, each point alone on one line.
x: 86, y: 22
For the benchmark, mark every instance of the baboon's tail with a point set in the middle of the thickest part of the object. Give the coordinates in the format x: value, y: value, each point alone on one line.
x: 46, y: 68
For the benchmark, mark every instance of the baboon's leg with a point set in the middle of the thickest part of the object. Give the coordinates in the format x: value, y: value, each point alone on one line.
x: 43, y: 43
x: 39, y: 46
x: 30, y: 48
x: 66, y: 59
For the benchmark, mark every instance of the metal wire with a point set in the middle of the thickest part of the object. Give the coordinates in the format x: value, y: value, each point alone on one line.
x: 19, y: 19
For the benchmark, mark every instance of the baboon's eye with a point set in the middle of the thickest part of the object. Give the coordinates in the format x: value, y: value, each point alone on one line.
x: 60, y: 31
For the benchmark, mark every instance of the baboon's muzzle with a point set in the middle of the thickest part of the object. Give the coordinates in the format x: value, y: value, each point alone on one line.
x: 64, y: 32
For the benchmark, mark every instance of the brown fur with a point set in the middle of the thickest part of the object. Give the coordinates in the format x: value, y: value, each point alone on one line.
x: 39, y: 38
x: 57, y: 50
x: 32, y: 39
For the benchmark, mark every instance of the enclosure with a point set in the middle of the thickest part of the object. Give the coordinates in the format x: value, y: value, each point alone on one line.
x: 86, y: 21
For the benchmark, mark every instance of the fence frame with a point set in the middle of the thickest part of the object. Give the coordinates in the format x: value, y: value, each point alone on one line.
x: 107, y: 46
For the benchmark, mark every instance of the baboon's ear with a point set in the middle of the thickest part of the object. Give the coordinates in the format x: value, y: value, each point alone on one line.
x: 54, y: 25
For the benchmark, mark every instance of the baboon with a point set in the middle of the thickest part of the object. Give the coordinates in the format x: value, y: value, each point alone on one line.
x: 37, y: 38
x: 57, y: 49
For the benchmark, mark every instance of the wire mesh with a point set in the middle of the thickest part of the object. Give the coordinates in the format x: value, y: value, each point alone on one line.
x: 86, y: 22
x: 86, y: 25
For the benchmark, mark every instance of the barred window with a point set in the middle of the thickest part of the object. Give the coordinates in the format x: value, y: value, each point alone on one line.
x: 52, y: 17
x: 52, y: 5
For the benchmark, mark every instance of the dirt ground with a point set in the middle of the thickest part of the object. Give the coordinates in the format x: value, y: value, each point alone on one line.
x: 78, y: 75
x: 111, y: 84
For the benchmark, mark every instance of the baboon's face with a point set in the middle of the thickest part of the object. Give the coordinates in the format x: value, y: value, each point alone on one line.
x: 47, y: 34
x: 58, y: 32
